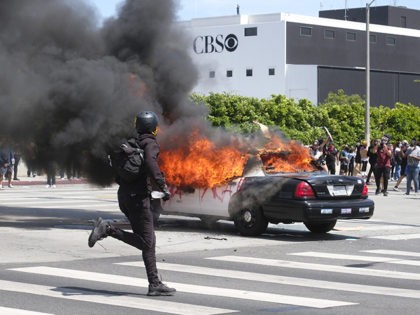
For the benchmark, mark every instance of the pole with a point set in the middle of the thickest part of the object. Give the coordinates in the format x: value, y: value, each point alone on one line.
x: 367, y: 109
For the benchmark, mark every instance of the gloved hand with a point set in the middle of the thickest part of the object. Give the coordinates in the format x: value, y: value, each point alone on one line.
x: 167, y: 195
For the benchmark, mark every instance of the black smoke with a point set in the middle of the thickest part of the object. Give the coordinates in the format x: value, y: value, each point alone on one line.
x: 69, y: 87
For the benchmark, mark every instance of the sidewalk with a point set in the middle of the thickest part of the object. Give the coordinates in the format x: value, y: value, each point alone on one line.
x: 42, y: 180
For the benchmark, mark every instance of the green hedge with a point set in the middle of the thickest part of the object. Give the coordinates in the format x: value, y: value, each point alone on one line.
x: 343, y: 115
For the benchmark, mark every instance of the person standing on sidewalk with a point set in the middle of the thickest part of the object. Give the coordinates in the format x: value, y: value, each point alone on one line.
x: 6, y: 164
x: 413, y: 166
x: 364, y: 158
x: 134, y: 199
x: 404, y: 147
x: 372, y: 154
x: 383, y: 165
x: 16, y: 156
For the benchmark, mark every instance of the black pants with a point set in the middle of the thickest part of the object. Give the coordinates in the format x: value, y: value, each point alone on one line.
x: 137, y: 210
x: 331, y: 168
x: 372, y: 167
x: 15, y: 167
x: 364, y: 166
x: 379, y: 173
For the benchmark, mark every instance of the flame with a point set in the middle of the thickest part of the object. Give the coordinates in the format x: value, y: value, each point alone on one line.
x: 295, y: 159
x: 201, y: 164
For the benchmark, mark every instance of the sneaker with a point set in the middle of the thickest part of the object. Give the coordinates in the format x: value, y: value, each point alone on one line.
x: 396, y: 188
x: 98, y: 232
x: 385, y: 193
x: 160, y: 289
x: 378, y: 191
x: 10, y: 186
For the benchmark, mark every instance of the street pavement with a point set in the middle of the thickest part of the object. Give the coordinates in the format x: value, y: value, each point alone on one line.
x: 364, y: 266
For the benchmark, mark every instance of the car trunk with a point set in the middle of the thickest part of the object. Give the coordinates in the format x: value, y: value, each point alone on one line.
x: 336, y: 187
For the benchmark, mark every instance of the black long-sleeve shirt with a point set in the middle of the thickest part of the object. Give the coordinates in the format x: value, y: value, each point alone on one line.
x: 151, y: 176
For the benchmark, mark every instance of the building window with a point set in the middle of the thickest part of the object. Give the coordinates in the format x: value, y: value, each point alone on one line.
x: 403, y: 21
x: 271, y: 71
x: 249, y: 72
x: 372, y: 38
x: 351, y: 36
x: 329, y: 34
x: 212, y: 74
x: 305, y: 31
x: 389, y: 40
x: 250, y: 31
x: 229, y: 73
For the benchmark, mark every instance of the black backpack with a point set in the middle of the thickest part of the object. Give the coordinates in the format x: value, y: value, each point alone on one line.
x: 127, y: 161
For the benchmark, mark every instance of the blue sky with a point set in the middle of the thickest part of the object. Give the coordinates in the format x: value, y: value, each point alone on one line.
x: 189, y: 9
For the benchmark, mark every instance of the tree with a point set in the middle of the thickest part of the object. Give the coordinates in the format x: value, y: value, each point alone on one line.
x: 342, y: 114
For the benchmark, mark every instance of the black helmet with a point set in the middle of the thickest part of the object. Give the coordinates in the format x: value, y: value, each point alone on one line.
x: 146, y: 122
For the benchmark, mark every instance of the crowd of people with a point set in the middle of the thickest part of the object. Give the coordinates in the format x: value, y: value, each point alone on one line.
x: 10, y: 159
x: 381, y: 160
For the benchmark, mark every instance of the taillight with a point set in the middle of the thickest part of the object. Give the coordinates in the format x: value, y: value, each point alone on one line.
x: 304, y: 190
x: 365, y: 190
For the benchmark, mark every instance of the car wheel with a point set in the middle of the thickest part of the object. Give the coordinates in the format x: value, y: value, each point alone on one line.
x: 320, y: 227
x: 250, y: 222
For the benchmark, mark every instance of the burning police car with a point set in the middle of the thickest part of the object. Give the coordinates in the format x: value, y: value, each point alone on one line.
x: 263, y: 195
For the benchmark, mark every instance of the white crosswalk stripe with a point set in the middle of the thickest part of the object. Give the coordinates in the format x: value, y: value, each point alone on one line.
x: 104, y: 297
x: 398, y: 237
x: 15, y: 311
x: 392, y: 252
x: 375, y: 259
x: 269, y: 278
x: 320, y: 267
x: 195, y: 289
x: 109, y: 299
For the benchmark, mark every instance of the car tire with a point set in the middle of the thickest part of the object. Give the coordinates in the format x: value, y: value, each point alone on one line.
x: 320, y: 227
x: 250, y: 222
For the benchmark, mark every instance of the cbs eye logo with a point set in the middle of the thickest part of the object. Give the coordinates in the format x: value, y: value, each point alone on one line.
x: 215, y: 44
x: 231, y: 42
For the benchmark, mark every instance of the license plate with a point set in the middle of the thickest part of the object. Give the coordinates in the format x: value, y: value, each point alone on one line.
x: 340, y: 191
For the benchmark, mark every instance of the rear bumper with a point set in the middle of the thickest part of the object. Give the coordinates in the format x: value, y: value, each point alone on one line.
x: 350, y: 209
x: 320, y: 210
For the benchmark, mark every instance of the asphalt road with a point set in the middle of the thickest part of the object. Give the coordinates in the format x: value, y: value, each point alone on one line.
x: 369, y: 267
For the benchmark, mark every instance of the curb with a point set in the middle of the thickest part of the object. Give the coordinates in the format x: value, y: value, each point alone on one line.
x: 23, y: 182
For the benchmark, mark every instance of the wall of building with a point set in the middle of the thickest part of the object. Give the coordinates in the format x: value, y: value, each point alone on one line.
x: 301, y: 82
x: 391, y: 52
x: 387, y: 88
x: 304, y: 66
x: 258, y: 53
x: 383, y: 15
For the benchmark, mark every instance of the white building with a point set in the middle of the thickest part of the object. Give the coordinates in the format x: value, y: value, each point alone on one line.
x: 305, y: 57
